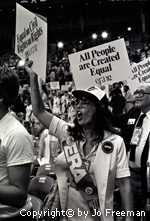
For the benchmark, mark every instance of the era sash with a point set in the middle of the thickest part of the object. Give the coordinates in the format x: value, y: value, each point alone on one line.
x: 80, y: 174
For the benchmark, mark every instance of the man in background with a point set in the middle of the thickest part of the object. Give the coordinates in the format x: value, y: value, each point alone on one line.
x: 16, y: 154
x: 135, y: 129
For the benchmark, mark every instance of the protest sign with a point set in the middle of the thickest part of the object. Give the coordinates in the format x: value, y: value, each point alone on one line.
x: 64, y: 87
x: 69, y: 83
x: 140, y: 73
x: 31, y: 39
x: 54, y: 85
x: 100, y: 65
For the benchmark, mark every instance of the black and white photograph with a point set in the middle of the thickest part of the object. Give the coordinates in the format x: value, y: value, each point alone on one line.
x: 74, y: 110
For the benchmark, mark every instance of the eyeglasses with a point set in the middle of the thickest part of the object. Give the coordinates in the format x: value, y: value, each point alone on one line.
x: 84, y: 103
x: 140, y: 93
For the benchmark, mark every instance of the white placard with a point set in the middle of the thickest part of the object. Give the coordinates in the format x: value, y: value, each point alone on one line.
x: 140, y: 73
x: 69, y: 83
x: 31, y: 39
x: 64, y: 87
x: 100, y: 65
x: 54, y: 85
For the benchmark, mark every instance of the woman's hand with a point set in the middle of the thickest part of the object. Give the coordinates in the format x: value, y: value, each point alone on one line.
x: 28, y: 69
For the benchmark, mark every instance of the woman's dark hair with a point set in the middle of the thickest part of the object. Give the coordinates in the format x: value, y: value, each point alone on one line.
x: 100, y: 123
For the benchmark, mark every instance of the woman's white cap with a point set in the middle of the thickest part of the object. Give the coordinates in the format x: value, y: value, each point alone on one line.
x: 91, y: 92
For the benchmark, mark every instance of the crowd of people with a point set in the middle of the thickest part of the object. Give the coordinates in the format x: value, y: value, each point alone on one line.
x: 96, y: 142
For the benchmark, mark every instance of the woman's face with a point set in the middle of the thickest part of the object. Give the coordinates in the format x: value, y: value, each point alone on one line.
x: 85, y: 111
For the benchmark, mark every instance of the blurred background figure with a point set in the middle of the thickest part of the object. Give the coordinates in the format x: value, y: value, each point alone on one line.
x: 71, y: 112
x: 117, y: 101
x: 64, y: 102
x: 21, y: 117
x: 28, y: 113
x: 129, y: 98
x: 48, y: 149
x: 56, y: 104
x: 36, y: 126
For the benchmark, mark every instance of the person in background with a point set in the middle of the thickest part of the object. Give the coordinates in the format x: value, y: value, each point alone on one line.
x: 56, y: 104
x: 129, y: 98
x: 71, y: 112
x: 21, y: 117
x: 36, y: 126
x: 44, y: 94
x: 70, y: 91
x: 95, y: 153
x: 117, y: 101
x: 48, y: 148
x: 135, y: 130
x: 13, y: 111
x: 28, y: 113
x: 121, y: 86
x: 116, y: 85
x: 53, y: 76
x: 21, y: 89
x: 16, y: 154
x: 60, y: 72
x: 26, y: 92
x: 63, y: 101
x: 19, y: 104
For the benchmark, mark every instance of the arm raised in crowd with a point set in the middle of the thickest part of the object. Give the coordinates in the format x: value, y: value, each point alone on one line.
x: 36, y: 100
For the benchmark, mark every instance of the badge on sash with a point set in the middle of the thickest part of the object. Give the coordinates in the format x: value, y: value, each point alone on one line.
x: 136, y: 136
x: 131, y: 121
x: 107, y: 147
x: 88, y: 190
x: 70, y: 140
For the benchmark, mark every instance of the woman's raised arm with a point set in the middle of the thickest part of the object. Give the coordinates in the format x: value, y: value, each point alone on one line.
x: 36, y: 100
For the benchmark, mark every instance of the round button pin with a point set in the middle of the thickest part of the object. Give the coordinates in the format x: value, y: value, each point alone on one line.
x: 89, y: 190
x: 70, y: 140
x: 107, y: 147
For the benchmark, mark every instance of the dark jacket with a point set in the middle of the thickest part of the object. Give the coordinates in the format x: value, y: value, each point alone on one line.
x: 117, y: 103
x: 126, y: 122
